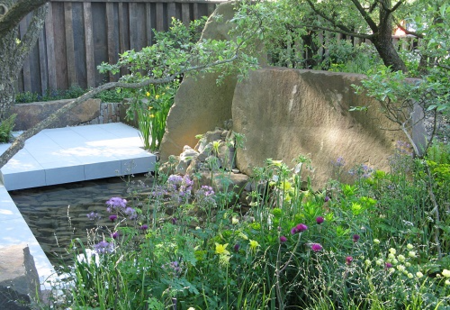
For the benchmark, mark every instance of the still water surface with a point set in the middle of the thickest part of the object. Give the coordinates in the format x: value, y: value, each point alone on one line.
x: 57, y: 214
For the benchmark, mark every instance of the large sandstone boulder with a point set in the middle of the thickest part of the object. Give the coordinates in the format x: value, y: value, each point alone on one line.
x: 200, y: 104
x: 29, y: 114
x: 284, y: 113
x: 19, y: 280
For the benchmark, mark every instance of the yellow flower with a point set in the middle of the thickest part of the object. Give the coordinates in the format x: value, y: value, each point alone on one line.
x: 419, y: 274
x: 401, y: 258
x: 254, y: 245
x: 412, y: 253
x: 221, y: 249
x: 446, y: 273
x: 409, y: 246
x: 157, y: 96
x: 243, y: 236
x: 392, y: 251
x: 191, y: 308
x: 234, y: 221
x: 147, y: 94
x: 376, y: 241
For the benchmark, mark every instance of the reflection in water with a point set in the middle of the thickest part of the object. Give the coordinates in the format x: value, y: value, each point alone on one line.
x: 57, y: 214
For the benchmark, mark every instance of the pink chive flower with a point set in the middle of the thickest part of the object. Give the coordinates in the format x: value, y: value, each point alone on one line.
x: 143, y: 227
x: 283, y: 239
x: 348, y: 260
x: 388, y: 265
x: 316, y: 247
x: 320, y: 220
x: 356, y: 237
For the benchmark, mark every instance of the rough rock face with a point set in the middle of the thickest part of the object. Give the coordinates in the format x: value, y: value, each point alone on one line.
x: 284, y: 113
x: 19, y: 279
x: 29, y: 114
x: 200, y: 104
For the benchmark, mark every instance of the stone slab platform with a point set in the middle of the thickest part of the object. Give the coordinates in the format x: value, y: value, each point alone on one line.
x: 72, y: 154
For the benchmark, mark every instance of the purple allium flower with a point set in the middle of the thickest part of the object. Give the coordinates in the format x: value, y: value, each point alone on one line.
x: 327, y: 198
x: 293, y: 230
x: 174, y: 220
x: 93, y: 216
x: 113, y: 217
x: 115, y: 235
x: 320, y: 220
x: 388, y: 265
x: 316, y: 247
x: 283, y: 239
x: 356, y: 237
x: 143, y: 227
x: 116, y: 202
x: 237, y: 247
x: 103, y: 247
x: 348, y: 260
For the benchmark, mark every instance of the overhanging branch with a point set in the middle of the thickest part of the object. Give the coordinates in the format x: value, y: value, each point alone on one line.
x: 16, y: 13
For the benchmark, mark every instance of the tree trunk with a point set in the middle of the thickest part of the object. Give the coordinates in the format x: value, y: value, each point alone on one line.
x: 8, y: 73
x: 14, y: 51
x: 383, y: 39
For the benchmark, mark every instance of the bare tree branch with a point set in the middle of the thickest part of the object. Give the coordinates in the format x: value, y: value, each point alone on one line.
x: 366, y: 16
x: 16, y: 13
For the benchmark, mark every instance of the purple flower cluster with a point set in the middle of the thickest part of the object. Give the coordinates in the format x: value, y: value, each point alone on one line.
x: 93, y: 216
x: 181, y: 186
x: 119, y: 205
x: 159, y: 191
x: 174, y: 268
x: 316, y: 247
x: 340, y: 162
x: 104, y: 247
x: 205, y: 195
x: 298, y: 229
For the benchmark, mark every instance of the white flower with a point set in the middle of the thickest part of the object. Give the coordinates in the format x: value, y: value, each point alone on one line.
x: 392, y: 251
x: 191, y: 308
x: 379, y: 262
x: 410, y: 275
x: 412, y: 254
x: 367, y: 262
x: 409, y: 246
x: 391, y: 256
x: 447, y: 282
x: 376, y: 241
x: 401, y: 268
x: 408, y: 264
x: 401, y: 258
x: 419, y: 274
x: 446, y: 273
x: 234, y: 221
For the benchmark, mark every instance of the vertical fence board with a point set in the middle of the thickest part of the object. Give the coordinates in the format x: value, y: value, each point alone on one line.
x: 42, y: 61
x: 148, y: 21
x: 50, y: 45
x: 70, y: 44
x: 185, y: 13
x: 171, y: 11
x: 159, y: 17
x: 100, y: 41
x: 26, y: 64
x: 111, y: 34
x: 89, y: 43
x: 79, y: 44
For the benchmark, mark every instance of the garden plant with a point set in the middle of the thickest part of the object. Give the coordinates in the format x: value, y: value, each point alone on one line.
x: 374, y: 243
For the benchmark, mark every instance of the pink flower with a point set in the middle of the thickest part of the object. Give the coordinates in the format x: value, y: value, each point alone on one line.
x: 349, y: 260
x: 320, y: 220
x: 388, y: 265
x: 355, y: 238
x: 298, y: 228
x: 283, y: 239
x: 316, y: 247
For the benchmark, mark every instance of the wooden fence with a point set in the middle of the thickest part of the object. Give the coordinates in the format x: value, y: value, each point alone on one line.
x: 80, y: 34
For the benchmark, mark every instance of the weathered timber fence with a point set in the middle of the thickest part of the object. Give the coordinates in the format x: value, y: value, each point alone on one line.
x: 80, y: 34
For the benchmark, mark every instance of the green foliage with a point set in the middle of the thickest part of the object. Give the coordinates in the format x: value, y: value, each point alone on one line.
x: 6, y: 128
x: 152, y: 105
x: 366, y: 245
